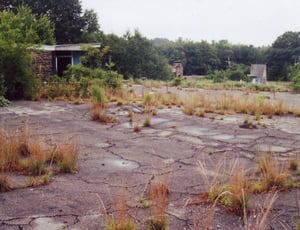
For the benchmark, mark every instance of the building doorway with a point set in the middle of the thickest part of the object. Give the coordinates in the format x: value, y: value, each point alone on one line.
x: 61, y: 64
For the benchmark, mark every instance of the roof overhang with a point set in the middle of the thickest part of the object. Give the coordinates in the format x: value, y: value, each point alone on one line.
x: 67, y: 47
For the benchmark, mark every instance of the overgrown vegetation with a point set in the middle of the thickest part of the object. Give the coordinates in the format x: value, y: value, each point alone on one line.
x: 233, y: 189
x: 19, y: 32
x: 24, y: 152
x: 230, y: 189
x: 119, y: 219
x: 158, y: 201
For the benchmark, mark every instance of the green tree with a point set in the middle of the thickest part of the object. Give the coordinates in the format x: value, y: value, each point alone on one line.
x: 284, y: 52
x: 142, y: 59
x: 247, y: 55
x: 93, y: 57
x: 19, y: 32
x: 72, y: 25
x: 173, y: 51
x: 116, y: 52
x: 91, y: 30
x: 237, y: 72
x: 201, y: 58
x: 224, y: 51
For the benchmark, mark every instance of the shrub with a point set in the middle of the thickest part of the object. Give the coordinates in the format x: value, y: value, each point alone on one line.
x: 219, y: 76
x: 176, y: 81
x: 113, y: 80
x: 77, y: 72
x: 4, y: 102
x: 19, y: 31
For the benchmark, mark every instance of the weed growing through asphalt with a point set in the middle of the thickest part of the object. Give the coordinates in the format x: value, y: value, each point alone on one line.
x: 99, y: 105
x: 158, y: 200
x: 149, y: 109
x: 257, y: 219
x: 225, y: 103
x: 147, y: 122
x: 65, y: 157
x: 136, y: 122
x: 142, y: 201
x: 24, y: 152
x: 119, y: 220
x: 234, y: 186
x: 274, y: 173
x: 190, y: 105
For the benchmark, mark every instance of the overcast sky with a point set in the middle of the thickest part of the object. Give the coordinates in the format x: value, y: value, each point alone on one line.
x: 250, y: 22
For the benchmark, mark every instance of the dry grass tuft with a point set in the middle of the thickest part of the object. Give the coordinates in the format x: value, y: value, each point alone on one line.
x: 228, y: 189
x: 274, y: 173
x: 24, y: 152
x: 257, y: 219
x: 158, y: 199
x: 136, y: 122
x: 121, y: 220
x: 67, y: 156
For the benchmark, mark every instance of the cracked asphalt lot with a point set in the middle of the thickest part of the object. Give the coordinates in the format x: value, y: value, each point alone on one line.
x: 113, y: 158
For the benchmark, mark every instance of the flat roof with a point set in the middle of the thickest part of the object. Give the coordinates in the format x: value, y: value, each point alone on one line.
x: 67, y: 47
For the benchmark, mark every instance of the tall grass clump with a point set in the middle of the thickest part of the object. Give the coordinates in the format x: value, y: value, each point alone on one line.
x: 190, y: 105
x: 66, y: 157
x: 99, y: 104
x: 158, y: 200
x: 119, y: 219
x: 9, y: 150
x: 228, y: 189
x: 148, y: 109
x: 98, y: 100
x: 274, y: 173
x: 26, y: 153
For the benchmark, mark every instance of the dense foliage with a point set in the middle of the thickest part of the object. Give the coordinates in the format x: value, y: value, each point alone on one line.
x: 136, y: 56
x: 72, y: 25
x: 92, y: 70
x: 201, y: 58
x: 19, y: 31
x: 285, y: 51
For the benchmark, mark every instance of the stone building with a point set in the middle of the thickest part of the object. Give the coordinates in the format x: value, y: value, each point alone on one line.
x: 50, y: 60
x: 178, y: 69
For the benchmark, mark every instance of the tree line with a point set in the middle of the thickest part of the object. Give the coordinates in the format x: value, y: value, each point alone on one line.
x: 132, y: 55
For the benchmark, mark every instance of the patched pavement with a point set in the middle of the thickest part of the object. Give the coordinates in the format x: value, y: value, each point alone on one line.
x: 113, y: 157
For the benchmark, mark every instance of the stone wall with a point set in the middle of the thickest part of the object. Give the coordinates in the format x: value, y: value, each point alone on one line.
x: 42, y: 64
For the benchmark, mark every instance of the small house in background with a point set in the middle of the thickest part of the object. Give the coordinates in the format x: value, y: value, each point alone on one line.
x: 178, y: 69
x: 54, y: 59
x: 258, y: 73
